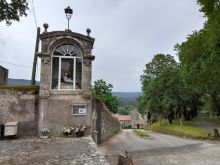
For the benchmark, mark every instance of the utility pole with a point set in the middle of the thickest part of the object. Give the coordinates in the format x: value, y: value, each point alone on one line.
x: 33, y: 82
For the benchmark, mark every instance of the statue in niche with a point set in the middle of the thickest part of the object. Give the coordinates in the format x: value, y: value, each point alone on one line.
x: 66, y: 78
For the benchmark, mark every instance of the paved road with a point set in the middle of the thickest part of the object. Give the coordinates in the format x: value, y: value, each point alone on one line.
x: 208, y: 125
x: 164, y: 149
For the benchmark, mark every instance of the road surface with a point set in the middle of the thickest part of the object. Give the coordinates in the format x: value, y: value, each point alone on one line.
x: 163, y: 149
x: 208, y: 125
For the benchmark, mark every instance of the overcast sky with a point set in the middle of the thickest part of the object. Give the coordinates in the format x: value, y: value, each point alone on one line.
x: 128, y: 34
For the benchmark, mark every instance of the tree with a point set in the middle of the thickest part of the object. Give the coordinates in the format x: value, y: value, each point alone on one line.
x: 12, y: 11
x: 199, y: 55
x: 126, y: 110
x: 159, y: 63
x: 103, y: 92
x: 161, y: 86
x: 122, y: 111
x: 209, y: 7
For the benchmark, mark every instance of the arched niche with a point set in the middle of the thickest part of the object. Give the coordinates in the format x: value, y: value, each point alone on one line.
x: 66, y: 66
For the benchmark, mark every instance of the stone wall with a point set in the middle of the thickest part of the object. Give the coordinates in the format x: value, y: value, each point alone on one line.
x: 109, y: 124
x: 55, y: 113
x: 3, y: 76
x: 19, y: 106
x: 104, y: 125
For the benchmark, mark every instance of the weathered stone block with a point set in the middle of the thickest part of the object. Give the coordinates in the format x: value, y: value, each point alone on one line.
x: 3, y: 76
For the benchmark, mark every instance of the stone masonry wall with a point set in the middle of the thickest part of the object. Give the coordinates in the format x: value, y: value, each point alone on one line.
x: 3, y: 76
x: 104, y: 125
x: 19, y: 106
x: 110, y: 125
x: 55, y: 113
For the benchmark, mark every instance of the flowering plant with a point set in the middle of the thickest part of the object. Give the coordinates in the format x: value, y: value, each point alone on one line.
x: 79, y: 131
x: 66, y: 131
x: 75, y: 131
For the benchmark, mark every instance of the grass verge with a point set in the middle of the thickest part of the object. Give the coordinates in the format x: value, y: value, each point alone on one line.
x: 188, y: 129
x: 141, y: 133
x: 34, y: 89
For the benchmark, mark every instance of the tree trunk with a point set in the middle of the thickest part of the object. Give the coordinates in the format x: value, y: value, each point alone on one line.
x: 170, y: 120
x: 216, y: 104
x: 186, y: 114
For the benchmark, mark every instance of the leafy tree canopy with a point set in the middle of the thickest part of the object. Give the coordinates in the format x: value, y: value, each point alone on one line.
x: 126, y: 110
x: 12, y: 10
x: 157, y: 66
x: 192, y: 55
x: 209, y: 7
x: 170, y: 88
x: 160, y: 85
x: 103, y: 92
x: 199, y: 54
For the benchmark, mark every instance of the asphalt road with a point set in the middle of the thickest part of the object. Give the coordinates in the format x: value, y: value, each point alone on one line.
x: 208, y: 125
x: 162, y: 149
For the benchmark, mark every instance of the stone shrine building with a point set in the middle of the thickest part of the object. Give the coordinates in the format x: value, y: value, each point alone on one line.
x: 65, y: 96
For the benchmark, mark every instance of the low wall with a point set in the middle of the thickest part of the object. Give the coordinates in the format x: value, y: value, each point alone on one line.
x: 19, y: 106
x: 109, y: 124
x: 23, y: 106
x: 104, y: 125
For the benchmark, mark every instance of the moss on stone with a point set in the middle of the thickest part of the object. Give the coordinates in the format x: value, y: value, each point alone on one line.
x: 35, y: 89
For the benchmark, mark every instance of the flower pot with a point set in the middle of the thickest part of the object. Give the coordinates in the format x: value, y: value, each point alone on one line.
x: 79, y: 134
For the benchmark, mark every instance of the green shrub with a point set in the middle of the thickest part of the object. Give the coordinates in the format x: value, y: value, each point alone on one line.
x: 128, y: 126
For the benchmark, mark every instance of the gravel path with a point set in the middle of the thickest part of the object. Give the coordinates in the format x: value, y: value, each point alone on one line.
x: 58, y: 151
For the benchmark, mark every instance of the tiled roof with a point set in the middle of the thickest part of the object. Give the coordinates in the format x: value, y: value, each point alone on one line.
x: 122, y: 117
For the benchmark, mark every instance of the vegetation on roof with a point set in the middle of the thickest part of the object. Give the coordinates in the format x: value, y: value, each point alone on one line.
x: 21, y: 88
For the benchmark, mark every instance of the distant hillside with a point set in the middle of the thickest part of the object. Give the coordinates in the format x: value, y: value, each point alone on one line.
x: 122, y: 95
x: 19, y: 82
x: 127, y: 95
x: 127, y: 101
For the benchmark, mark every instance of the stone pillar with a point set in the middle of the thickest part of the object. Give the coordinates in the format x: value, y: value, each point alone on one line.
x: 86, y: 74
x: 45, y: 76
x: 44, y: 90
x: 87, y: 69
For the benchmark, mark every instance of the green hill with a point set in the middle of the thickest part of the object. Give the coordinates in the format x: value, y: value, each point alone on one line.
x: 127, y: 95
x: 12, y: 81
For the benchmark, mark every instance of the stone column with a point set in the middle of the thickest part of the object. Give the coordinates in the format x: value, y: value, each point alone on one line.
x: 44, y: 89
x: 45, y: 75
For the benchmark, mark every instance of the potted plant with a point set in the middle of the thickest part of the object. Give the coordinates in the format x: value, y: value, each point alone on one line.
x: 74, y: 131
x: 45, y: 132
x: 80, y: 131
